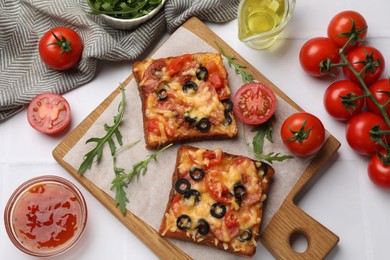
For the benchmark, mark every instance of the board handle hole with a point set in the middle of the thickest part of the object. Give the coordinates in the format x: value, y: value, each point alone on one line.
x: 299, y: 242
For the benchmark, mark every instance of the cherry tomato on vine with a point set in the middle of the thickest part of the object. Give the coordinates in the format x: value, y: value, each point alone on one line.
x: 341, y: 27
x: 303, y: 134
x: 60, y: 48
x: 49, y: 113
x: 358, y: 132
x: 339, y: 91
x: 254, y: 103
x: 365, y: 56
x: 313, y: 54
x: 379, y: 172
x: 380, y: 90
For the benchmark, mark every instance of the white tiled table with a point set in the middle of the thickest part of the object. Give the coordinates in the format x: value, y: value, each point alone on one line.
x: 342, y: 197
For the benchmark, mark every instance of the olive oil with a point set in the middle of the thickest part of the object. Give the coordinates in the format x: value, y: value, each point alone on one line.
x: 259, y: 16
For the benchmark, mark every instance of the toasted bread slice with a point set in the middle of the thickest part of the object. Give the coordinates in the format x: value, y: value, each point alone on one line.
x: 217, y: 200
x: 185, y: 98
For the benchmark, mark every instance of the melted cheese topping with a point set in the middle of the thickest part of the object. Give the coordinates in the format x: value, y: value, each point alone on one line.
x: 204, y: 103
x: 231, y: 170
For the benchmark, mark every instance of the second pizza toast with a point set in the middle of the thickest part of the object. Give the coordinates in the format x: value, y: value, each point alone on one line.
x: 185, y: 98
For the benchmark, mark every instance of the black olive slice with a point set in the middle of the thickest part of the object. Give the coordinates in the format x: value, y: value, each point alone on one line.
x: 218, y: 210
x: 196, y: 173
x: 245, y: 235
x: 182, y: 186
x: 203, y: 227
x: 162, y: 91
x: 188, y: 118
x: 228, y: 104
x: 190, y: 87
x: 203, y: 125
x: 193, y: 193
x: 228, y: 119
x: 239, y: 190
x: 183, y: 222
x: 202, y: 73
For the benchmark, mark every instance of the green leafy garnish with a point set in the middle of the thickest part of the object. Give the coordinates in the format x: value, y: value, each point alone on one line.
x: 122, y: 179
x: 123, y: 9
x: 263, y: 132
x: 238, y: 68
x: 111, y: 132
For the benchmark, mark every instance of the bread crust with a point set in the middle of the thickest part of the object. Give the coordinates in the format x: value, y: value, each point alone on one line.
x: 141, y: 72
x: 209, y: 239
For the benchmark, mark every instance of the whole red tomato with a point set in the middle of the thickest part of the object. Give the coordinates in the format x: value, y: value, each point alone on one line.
x: 339, y: 91
x: 358, y: 132
x: 379, y: 172
x: 380, y: 91
x: 303, y: 134
x: 341, y: 27
x: 365, y: 56
x: 313, y: 54
x: 60, y: 48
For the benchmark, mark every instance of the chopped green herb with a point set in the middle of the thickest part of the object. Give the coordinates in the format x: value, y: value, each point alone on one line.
x: 123, y: 9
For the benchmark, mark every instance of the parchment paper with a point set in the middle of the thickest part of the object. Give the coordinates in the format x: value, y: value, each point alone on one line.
x: 149, y: 194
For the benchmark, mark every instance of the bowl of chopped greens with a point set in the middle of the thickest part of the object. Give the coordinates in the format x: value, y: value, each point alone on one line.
x: 125, y: 14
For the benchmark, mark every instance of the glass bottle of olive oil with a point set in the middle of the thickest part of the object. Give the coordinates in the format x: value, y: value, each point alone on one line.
x: 259, y: 16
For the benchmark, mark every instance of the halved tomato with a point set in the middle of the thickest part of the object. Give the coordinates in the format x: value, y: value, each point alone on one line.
x: 49, y: 113
x: 254, y: 103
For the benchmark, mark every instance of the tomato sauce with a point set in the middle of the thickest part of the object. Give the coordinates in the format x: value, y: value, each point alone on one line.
x: 47, y: 216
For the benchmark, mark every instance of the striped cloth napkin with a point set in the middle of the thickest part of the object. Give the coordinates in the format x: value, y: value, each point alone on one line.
x: 22, y: 23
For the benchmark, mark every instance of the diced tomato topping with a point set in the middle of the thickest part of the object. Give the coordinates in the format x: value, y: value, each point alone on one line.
x: 217, y: 80
x: 217, y: 189
x: 178, y: 64
x: 212, y: 67
x: 152, y: 126
x: 231, y: 219
x: 214, y: 157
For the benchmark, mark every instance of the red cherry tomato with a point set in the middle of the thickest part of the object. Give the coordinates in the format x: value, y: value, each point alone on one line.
x: 315, y: 51
x: 358, y: 132
x: 380, y: 91
x: 361, y: 54
x: 333, y: 99
x: 254, y: 103
x: 378, y: 172
x: 341, y: 24
x: 49, y: 113
x: 303, y: 134
x: 60, y: 48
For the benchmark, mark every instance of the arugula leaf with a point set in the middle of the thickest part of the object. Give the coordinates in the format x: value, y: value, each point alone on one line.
x: 123, y: 9
x: 272, y: 156
x: 262, y: 131
x: 238, y: 68
x: 122, y: 179
x: 112, y: 131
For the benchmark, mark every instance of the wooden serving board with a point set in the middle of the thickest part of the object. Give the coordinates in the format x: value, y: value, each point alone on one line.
x: 287, y: 221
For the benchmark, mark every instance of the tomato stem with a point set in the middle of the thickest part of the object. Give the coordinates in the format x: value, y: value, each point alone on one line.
x: 65, y: 45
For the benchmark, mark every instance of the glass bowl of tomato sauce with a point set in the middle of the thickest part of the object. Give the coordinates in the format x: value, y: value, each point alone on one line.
x: 45, y: 216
